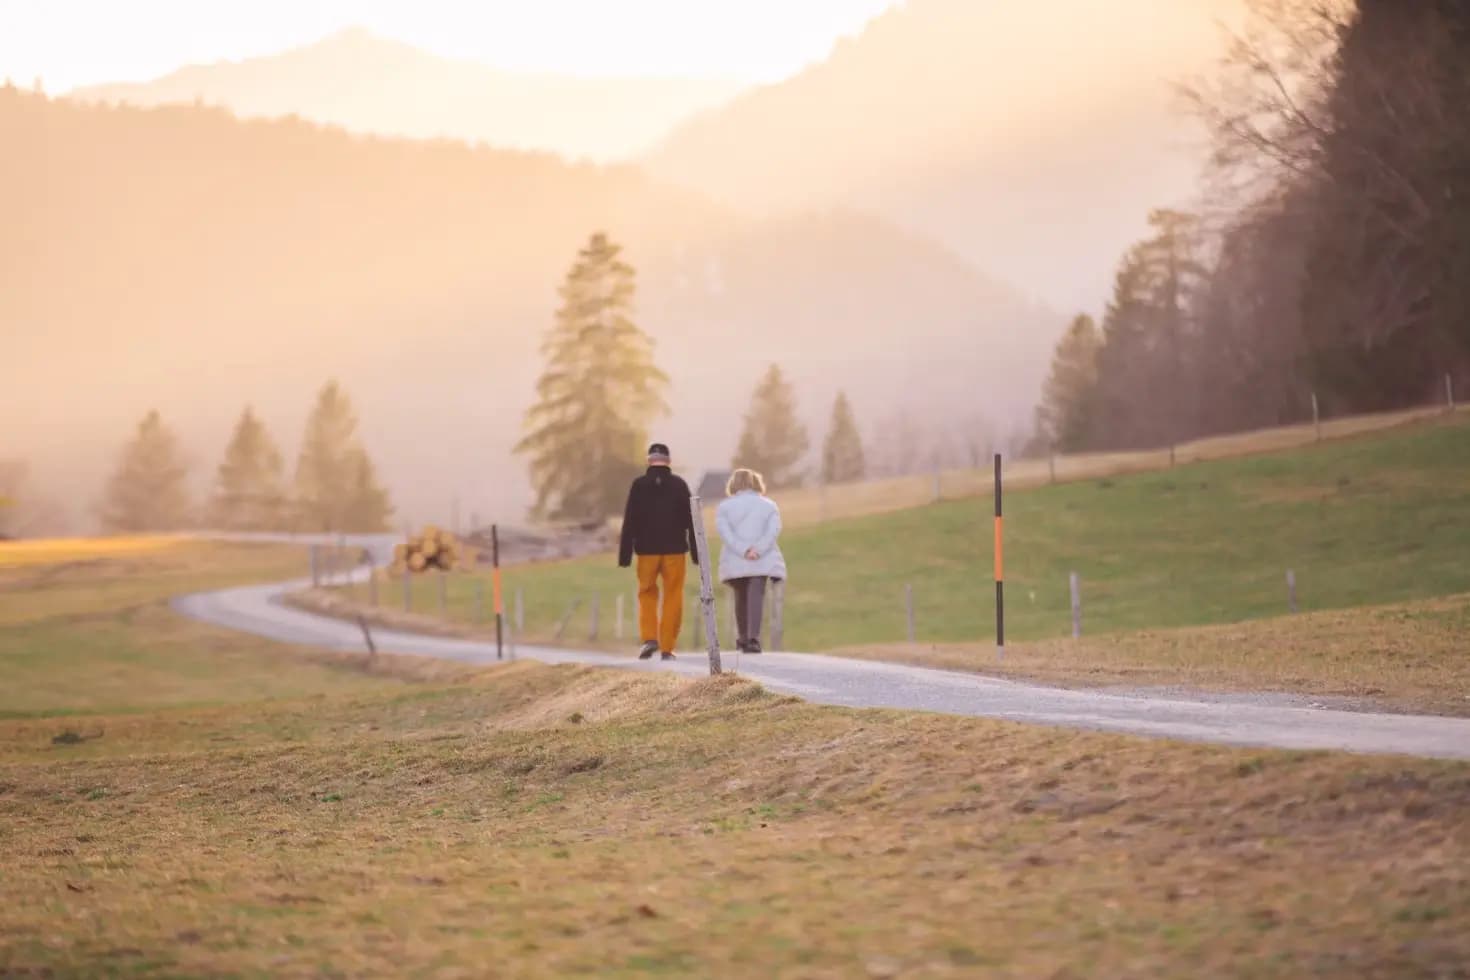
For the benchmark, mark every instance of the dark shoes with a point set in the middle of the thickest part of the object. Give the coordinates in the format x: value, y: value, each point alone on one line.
x: 648, y: 649
x: 668, y: 656
x: 749, y: 646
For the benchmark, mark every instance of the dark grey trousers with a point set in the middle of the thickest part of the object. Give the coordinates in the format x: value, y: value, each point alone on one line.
x: 750, y: 604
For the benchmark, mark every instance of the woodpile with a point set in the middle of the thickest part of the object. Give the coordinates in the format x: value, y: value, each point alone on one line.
x: 433, y: 549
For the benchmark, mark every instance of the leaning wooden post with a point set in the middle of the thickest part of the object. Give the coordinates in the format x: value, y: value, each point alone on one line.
x: 497, y: 597
x: 706, y: 589
x: 1316, y: 418
x: 1000, y: 591
x: 908, y: 603
x: 1076, y: 585
x: 1291, y: 590
x: 1449, y: 391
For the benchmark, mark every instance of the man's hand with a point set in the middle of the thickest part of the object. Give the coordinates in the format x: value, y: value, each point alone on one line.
x: 751, y: 554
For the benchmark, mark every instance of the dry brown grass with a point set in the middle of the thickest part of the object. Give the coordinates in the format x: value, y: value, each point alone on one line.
x: 1412, y: 657
x: 539, y: 821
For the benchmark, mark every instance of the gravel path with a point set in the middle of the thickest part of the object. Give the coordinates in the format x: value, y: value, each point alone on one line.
x: 870, y: 684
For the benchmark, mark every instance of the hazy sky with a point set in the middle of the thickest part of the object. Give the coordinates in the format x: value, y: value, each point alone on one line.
x: 80, y: 42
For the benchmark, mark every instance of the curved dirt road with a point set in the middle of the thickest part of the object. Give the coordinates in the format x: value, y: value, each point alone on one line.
x: 861, y: 683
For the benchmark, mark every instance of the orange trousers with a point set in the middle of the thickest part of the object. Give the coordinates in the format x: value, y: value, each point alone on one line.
x: 668, y: 570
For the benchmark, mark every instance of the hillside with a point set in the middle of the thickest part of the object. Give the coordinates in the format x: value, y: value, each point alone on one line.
x: 1362, y: 522
x: 1031, y: 138
x: 370, y: 84
x: 182, y: 259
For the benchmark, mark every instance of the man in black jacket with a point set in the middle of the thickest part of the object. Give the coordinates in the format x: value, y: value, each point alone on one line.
x: 659, y: 529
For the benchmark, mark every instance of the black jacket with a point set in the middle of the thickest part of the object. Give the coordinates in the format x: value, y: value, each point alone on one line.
x: 657, y: 520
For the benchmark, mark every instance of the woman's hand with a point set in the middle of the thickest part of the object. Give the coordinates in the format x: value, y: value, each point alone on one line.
x: 751, y: 554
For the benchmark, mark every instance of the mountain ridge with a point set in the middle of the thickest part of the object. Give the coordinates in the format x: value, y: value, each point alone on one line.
x: 381, y: 86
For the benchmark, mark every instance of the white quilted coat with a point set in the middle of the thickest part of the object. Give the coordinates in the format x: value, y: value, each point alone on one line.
x: 749, y: 520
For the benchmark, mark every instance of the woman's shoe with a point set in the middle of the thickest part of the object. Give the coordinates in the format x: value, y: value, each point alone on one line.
x: 648, y: 650
x: 752, y: 646
x: 741, y: 645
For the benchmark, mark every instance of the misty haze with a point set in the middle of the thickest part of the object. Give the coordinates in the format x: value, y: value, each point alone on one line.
x: 789, y: 488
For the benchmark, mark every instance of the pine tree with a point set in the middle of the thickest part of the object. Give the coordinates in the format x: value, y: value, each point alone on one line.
x: 250, y: 492
x: 336, y: 489
x: 368, y: 506
x: 148, y: 491
x: 1068, y: 396
x: 843, y: 460
x: 773, y: 442
x: 600, y: 390
x: 1144, y: 395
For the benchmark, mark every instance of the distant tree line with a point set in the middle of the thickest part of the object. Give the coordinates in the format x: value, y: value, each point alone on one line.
x: 335, y: 486
x: 1334, y: 258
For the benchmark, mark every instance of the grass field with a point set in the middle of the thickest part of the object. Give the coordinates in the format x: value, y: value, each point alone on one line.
x: 89, y: 630
x: 540, y: 821
x: 212, y: 805
x: 1373, y: 520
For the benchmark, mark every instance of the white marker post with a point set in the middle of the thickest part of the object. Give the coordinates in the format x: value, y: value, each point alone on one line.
x: 908, y: 604
x: 706, y: 588
x: 1076, y: 606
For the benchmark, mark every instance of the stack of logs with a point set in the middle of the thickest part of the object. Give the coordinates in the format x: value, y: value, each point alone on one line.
x: 434, y: 549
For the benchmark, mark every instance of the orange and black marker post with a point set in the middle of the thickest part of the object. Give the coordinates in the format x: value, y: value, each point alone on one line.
x: 1000, y: 583
x: 495, y: 578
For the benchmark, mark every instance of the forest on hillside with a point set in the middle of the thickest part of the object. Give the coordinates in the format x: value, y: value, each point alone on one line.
x: 1328, y: 269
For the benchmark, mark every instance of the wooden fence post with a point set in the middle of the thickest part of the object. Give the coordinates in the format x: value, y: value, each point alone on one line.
x: 1291, y: 590
x: 1449, y: 391
x: 498, y: 597
x: 316, y: 573
x: 566, y: 618
x: 1076, y: 586
x: 706, y: 589
x: 1316, y: 418
x: 908, y: 603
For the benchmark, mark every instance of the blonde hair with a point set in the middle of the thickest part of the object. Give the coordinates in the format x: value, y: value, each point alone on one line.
x: 745, y: 480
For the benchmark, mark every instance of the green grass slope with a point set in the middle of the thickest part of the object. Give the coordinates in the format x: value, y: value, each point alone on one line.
x: 1365, y: 521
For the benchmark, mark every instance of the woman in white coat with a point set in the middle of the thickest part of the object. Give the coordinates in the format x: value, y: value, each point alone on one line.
x: 749, y: 523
